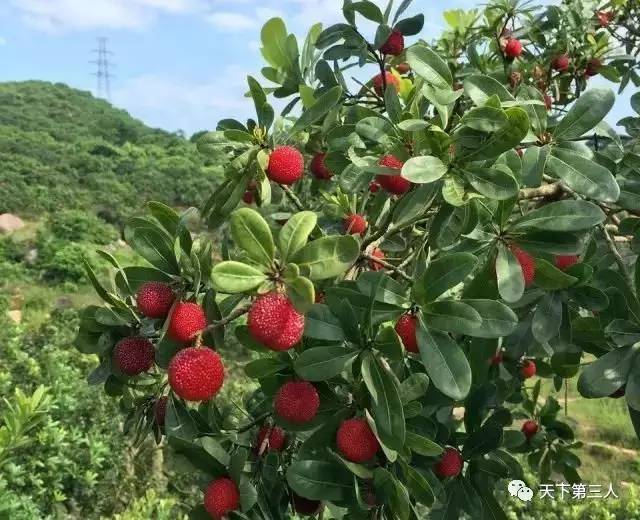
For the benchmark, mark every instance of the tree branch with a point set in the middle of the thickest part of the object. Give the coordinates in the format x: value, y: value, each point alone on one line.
x: 234, y: 315
x: 386, y: 265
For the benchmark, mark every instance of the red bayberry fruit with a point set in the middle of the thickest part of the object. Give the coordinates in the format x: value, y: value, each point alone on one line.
x: 286, y: 165
x: 403, y: 68
x: 565, y: 261
x: 593, y: 67
x: 496, y: 360
x: 378, y: 83
x: 320, y: 297
x: 560, y: 63
x: 221, y: 497
x: 450, y: 464
x: 297, y: 402
x: 529, y: 428
x: 393, y: 183
x: 373, y: 265
x: 406, y: 329
x: 356, y: 441
x: 305, y: 506
x: 187, y: 319
x: 196, y: 373
x: 527, y: 263
x: 154, y: 299
x: 248, y: 197
x: 528, y: 369
x: 355, y: 224
x: 160, y: 410
x: 374, y: 187
x: 275, y: 442
x: 318, y: 167
x: 274, y: 321
x: 513, y: 48
x: 394, y: 44
x: 133, y: 356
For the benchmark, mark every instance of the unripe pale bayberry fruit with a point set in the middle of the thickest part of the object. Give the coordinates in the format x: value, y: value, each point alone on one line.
x: 527, y: 263
x: 305, y: 506
x: 248, y: 197
x: 154, y: 299
x: 378, y: 83
x: 560, y: 63
x: 529, y: 428
x: 133, y: 356
x: 620, y: 392
x: 221, y: 497
x: 318, y: 167
x: 286, y: 165
x: 373, y: 265
x: 406, y: 329
x: 565, y: 261
x: 394, y: 44
x: 275, y: 442
x: 593, y: 67
x: 160, y: 410
x: 355, y: 224
x: 513, y: 48
x: 450, y: 464
x: 403, y: 68
x: 297, y: 402
x: 528, y: 369
x: 356, y: 441
x: 274, y: 321
x: 187, y: 319
x: 196, y: 373
x: 393, y: 183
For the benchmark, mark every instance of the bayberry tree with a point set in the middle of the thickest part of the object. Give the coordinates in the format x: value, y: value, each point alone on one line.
x: 467, y: 221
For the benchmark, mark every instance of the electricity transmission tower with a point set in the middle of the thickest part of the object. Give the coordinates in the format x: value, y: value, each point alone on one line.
x: 104, y: 66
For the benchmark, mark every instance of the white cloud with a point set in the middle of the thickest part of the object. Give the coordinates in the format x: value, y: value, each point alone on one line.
x: 177, y: 104
x: 231, y: 22
x: 64, y: 15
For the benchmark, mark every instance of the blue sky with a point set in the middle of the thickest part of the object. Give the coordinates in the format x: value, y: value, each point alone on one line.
x: 179, y: 64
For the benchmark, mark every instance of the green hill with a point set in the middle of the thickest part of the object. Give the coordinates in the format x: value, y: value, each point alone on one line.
x: 61, y: 148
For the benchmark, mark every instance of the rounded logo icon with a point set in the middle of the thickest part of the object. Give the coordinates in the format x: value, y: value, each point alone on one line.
x: 515, y: 486
x: 525, y: 494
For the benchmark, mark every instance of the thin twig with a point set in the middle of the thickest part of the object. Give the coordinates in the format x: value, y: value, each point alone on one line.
x: 386, y: 265
x: 619, y: 260
x: 235, y: 314
x: 292, y: 197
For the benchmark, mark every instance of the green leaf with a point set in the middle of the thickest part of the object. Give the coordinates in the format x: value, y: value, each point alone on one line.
x: 301, y: 292
x: 445, y: 362
x: 495, y: 183
x: 248, y: 494
x: 623, y: 332
x: 482, y: 441
x: 418, y: 486
x: 393, y: 493
x: 547, y: 318
x: 589, y: 109
x: 485, y: 119
x: 426, y: 63
x: 424, y: 169
x: 606, y: 374
x: 320, y: 108
x: 264, y: 367
x: 509, y: 275
x: 452, y: 316
x: 322, y: 363
x: 583, y: 176
x: 564, y: 215
x: 153, y: 245
x: 320, y: 480
x: 321, y: 323
x: 295, y: 233
x: 251, y: 233
x: 423, y: 446
x: 414, y: 387
x: 443, y: 274
x: 178, y: 422
x: 480, y: 88
x: 550, y: 278
x: 385, y: 401
x: 328, y: 256
x: 410, y: 26
x: 235, y: 277
x: 497, y: 319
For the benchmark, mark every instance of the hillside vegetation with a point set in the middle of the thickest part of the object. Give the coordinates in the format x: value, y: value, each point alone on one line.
x: 61, y: 148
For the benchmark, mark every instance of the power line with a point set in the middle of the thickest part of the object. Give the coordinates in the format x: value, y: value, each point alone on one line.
x: 104, y: 66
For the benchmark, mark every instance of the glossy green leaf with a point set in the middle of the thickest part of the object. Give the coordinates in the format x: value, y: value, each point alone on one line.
x: 564, y: 215
x: 320, y: 480
x: 509, y: 275
x: 426, y: 63
x: 589, y: 109
x: 497, y: 319
x: 322, y: 363
x: 251, y: 233
x: 606, y: 374
x: 423, y: 169
x: 441, y: 275
x: 452, y: 316
x: 295, y: 233
x: 235, y: 277
x: 328, y: 256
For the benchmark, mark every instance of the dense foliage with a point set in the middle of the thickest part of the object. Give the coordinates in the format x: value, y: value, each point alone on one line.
x: 469, y: 221
x: 63, y: 149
